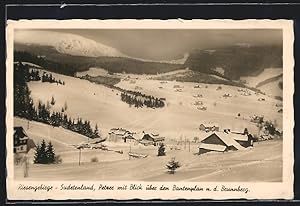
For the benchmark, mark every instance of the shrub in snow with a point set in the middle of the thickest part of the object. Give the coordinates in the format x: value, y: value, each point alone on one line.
x: 94, y: 159
x: 172, y: 165
x: 58, y: 159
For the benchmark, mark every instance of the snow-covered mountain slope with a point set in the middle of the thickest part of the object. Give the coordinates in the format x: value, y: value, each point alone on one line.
x: 271, y: 86
x: 77, y: 45
x: 267, y: 73
x: 267, y: 81
x: 67, y: 43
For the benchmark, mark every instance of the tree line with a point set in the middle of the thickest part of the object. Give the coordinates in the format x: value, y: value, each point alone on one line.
x: 24, y: 107
x: 34, y: 74
x: 49, y: 78
x: 139, y: 100
x: 56, y: 119
x: 268, y: 127
x: 61, y: 68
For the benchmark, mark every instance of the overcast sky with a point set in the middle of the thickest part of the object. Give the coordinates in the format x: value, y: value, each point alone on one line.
x: 171, y: 44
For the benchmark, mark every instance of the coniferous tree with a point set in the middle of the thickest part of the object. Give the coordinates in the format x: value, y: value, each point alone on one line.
x: 37, y: 155
x: 43, y: 154
x: 40, y: 154
x: 96, y: 131
x: 50, y: 153
x: 48, y: 106
x: 161, y: 150
x: 52, y: 101
x: 172, y: 165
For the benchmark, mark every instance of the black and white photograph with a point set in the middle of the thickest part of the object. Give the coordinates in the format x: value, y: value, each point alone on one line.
x: 150, y: 104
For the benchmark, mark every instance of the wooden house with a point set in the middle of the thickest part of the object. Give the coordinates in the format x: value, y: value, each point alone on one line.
x: 121, y: 135
x: 130, y: 137
x: 22, y: 143
x: 218, y: 142
x: 245, y: 140
x: 209, y: 127
x: 151, y: 139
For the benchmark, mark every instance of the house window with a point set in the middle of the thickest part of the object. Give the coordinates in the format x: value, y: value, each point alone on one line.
x: 21, y: 148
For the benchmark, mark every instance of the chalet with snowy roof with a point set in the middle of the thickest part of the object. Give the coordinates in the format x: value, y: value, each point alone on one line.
x: 218, y: 142
x: 243, y: 138
x: 151, y: 139
x: 209, y: 127
x: 121, y: 135
x: 20, y: 140
x: 22, y: 143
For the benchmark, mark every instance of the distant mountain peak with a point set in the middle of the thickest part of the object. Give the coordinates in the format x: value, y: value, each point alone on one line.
x: 76, y: 45
x: 71, y: 44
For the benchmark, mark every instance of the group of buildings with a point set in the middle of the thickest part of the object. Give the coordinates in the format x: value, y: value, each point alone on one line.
x: 212, y: 140
x: 123, y: 135
x: 220, y: 141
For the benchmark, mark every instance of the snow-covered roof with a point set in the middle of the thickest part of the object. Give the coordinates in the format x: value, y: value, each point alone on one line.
x: 209, y: 124
x: 213, y: 147
x: 240, y: 137
x: 119, y: 131
x: 226, y: 138
x: 155, y: 134
x: 21, y: 130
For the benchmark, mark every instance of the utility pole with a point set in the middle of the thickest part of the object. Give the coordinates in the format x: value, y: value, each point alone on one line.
x: 26, y: 167
x: 129, y: 150
x: 79, y: 158
x: 189, y: 146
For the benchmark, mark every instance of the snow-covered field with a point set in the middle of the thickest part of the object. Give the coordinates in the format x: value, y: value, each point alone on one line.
x: 270, y: 88
x: 265, y: 74
x: 261, y: 163
x: 179, y: 119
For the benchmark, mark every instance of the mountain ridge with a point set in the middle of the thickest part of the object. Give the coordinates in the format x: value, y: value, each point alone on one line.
x: 236, y: 61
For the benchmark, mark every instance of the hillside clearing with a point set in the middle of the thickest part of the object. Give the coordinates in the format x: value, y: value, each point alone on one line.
x: 178, y: 118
